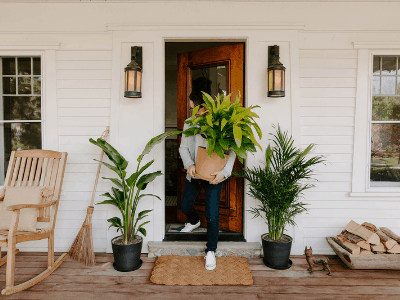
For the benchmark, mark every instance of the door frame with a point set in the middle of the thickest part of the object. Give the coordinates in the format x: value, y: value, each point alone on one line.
x: 153, y: 39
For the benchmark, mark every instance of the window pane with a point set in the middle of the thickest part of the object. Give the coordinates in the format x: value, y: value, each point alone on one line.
x: 36, y: 85
x: 24, y: 85
x: 24, y: 66
x: 20, y: 136
x: 385, y: 108
x: 385, y: 155
x: 21, y: 108
x: 389, y: 65
x: 9, y: 85
x: 36, y: 66
x: 388, y: 85
x: 376, y: 85
x: 376, y: 68
x: 8, y: 66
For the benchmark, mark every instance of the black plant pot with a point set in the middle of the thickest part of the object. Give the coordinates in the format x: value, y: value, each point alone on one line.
x: 127, y: 257
x: 276, y: 254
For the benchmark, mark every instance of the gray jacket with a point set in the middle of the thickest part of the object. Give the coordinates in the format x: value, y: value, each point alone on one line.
x: 188, y: 153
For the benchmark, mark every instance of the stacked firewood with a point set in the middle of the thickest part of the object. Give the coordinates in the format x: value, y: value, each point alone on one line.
x: 367, y: 239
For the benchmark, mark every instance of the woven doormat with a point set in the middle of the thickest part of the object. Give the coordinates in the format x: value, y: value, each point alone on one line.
x: 190, y: 270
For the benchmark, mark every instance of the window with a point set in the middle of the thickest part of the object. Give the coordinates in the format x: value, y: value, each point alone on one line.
x: 385, y: 122
x: 20, y: 106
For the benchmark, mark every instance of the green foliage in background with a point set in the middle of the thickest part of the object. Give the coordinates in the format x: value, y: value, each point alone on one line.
x: 225, y: 125
x: 279, y: 184
x: 127, y: 193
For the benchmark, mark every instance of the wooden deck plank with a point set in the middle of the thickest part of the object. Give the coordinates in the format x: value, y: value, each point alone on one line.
x: 73, y: 280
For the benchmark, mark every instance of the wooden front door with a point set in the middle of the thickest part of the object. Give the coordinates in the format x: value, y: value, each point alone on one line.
x: 224, y: 66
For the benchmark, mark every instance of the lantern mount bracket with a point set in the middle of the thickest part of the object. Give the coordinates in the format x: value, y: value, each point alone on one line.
x: 136, y: 55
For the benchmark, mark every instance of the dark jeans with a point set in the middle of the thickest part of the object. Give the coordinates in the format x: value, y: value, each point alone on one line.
x: 213, y: 193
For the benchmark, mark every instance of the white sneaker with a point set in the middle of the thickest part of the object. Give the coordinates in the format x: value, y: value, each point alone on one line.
x: 189, y: 227
x: 211, y: 263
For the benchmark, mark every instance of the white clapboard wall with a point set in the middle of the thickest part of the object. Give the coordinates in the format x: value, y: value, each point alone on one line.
x: 328, y: 74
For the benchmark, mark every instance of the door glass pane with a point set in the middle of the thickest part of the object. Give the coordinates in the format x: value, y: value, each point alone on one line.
x: 212, y: 80
x: 389, y: 65
x: 24, y: 66
x: 385, y: 155
x: 9, y: 85
x: 24, y: 85
x: 385, y: 108
x: 21, y: 108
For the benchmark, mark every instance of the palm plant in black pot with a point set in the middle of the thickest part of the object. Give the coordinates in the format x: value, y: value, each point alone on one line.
x: 278, y: 185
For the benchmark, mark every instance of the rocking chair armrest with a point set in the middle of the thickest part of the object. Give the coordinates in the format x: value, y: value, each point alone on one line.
x: 21, y: 206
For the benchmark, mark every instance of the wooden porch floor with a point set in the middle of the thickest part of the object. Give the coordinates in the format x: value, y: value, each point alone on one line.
x: 73, y: 280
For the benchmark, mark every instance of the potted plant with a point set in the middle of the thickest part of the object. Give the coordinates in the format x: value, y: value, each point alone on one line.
x: 225, y: 126
x: 278, y: 185
x: 125, y: 196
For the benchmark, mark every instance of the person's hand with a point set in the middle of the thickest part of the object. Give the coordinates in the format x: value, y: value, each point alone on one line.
x: 191, y: 170
x: 218, y: 178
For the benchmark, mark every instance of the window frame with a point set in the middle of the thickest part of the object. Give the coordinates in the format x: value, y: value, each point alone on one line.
x: 360, y: 186
x: 49, y: 114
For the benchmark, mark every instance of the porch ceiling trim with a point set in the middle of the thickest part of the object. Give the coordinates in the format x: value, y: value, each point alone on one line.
x: 265, y: 26
x: 30, y: 46
x: 376, y: 45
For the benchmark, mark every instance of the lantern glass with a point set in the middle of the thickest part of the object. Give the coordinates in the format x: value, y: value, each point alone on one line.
x: 133, y: 82
x: 278, y: 80
x: 270, y: 80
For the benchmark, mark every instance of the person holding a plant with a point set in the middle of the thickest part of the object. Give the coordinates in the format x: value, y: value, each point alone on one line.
x: 193, y: 185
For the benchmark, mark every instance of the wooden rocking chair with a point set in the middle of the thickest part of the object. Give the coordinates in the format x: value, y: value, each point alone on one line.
x: 32, y: 168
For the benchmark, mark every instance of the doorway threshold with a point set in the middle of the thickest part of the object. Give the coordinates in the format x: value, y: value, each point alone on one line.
x: 201, y: 237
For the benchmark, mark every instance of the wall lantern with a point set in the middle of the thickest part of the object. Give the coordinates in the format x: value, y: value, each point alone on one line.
x: 133, y: 74
x: 276, y: 73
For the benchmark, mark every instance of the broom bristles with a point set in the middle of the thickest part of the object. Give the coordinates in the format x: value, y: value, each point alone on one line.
x: 82, y: 247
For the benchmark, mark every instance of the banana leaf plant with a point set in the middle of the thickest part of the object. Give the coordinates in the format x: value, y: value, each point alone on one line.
x: 225, y: 125
x: 127, y: 193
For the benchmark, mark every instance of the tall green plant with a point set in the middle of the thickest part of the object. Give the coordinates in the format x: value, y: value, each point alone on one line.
x: 225, y: 125
x: 127, y: 193
x: 280, y: 182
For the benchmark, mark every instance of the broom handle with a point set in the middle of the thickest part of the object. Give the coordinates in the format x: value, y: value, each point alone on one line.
x: 104, y: 137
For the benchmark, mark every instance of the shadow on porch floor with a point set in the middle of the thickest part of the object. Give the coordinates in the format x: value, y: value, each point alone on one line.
x: 73, y: 280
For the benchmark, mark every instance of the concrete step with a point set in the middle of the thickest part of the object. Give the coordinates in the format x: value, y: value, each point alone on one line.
x: 243, y: 249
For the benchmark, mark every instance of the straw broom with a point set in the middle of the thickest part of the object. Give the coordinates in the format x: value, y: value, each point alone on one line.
x: 82, y: 248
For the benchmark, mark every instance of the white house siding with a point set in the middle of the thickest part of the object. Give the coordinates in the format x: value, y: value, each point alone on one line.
x: 327, y: 90
x: 328, y: 75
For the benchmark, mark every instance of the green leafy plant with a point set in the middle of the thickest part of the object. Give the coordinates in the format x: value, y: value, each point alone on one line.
x: 279, y: 184
x: 127, y: 193
x: 225, y: 125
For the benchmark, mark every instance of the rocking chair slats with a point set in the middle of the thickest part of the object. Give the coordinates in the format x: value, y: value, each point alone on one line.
x: 16, y: 168
x: 44, y: 171
x: 26, y: 173
x: 21, y: 171
x: 10, y: 169
x: 38, y: 171
x: 33, y: 168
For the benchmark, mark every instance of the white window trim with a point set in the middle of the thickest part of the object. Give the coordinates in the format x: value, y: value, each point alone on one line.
x: 362, y: 146
x: 47, y: 53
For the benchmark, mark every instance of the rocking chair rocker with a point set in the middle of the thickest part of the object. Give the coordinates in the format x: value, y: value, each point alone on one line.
x: 32, y: 168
